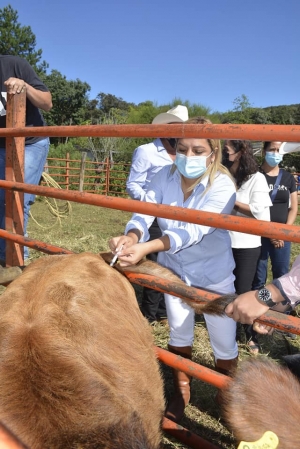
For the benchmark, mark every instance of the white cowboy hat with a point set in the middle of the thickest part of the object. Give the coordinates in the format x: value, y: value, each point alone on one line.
x: 289, y: 147
x: 177, y: 114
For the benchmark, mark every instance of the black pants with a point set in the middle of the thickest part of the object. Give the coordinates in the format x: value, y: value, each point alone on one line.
x: 246, y: 260
x: 153, y: 303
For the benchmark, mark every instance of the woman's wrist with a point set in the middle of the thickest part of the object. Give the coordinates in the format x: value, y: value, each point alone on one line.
x: 135, y: 235
x: 275, y: 292
x: 277, y: 284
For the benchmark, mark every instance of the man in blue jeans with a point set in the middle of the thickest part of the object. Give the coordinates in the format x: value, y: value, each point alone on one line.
x: 16, y: 76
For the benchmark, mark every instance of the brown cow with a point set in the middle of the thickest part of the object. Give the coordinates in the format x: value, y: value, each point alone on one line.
x: 263, y: 396
x: 77, y: 366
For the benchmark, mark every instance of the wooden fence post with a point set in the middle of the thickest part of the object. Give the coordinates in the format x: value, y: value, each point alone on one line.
x: 82, y: 169
x: 107, y: 173
x: 67, y: 170
x: 14, y: 171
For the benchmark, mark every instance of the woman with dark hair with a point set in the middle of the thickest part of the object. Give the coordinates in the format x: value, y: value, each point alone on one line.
x: 283, y: 193
x: 252, y: 200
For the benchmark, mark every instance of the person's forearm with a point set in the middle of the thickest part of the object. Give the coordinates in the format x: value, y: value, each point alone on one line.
x: 292, y: 215
x: 38, y: 98
x: 135, y: 191
x: 243, y: 208
x: 157, y: 245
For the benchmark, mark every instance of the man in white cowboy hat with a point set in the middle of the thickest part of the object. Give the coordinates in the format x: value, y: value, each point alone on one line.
x: 147, y: 160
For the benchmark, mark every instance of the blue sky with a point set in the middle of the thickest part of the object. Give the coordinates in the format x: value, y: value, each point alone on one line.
x: 204, y: 51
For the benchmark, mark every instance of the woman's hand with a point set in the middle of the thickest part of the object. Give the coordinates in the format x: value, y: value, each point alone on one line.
x: 262, y: 329
x: 246, y: 308
x: 277, y: 243
x: 132, y: 254
x: 123, y: 241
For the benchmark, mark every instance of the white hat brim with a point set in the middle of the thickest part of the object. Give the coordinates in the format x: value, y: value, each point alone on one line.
x: 289, y: 147
x: 164, y: 118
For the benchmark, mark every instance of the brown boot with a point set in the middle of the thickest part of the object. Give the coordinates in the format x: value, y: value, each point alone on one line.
x: 181, y: 396
x: 226, y: 367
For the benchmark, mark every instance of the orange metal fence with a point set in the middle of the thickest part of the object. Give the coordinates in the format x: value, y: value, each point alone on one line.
x: 105, y: 178
x: 15, y: 188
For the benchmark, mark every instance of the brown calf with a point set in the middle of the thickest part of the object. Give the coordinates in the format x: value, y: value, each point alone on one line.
x: 263, y: 396
x: 77, y: 366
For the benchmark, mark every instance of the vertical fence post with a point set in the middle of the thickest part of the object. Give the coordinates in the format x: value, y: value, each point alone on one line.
x: 67, y: 170
x: 82, y: 169
x: 107, y: 173
x: 14, y: 171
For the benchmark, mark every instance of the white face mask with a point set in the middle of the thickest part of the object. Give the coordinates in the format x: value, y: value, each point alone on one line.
x: 192, y: 166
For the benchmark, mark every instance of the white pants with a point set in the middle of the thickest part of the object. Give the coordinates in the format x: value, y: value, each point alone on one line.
x: 221, y: 330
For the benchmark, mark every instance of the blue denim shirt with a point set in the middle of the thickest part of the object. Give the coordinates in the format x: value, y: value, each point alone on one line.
x: 200, y: 255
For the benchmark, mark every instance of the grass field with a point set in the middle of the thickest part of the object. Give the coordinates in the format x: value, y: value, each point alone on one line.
x: 88, y: 228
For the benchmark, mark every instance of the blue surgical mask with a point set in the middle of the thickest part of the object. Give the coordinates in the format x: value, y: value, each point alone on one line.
x: 191, y: 167
x: 273, y: 158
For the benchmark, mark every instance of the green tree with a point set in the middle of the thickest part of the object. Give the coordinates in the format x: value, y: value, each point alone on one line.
x: 70, y: 99
x: 108, y: 101
x: 19, y: 40
x: 195, y: 109
x: 241, y: 104
x: 113, y: 148
x: 92, y: 113
x: 142, y: 113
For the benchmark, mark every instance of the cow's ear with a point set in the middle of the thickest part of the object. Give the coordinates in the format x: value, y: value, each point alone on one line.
x: 107, y: 256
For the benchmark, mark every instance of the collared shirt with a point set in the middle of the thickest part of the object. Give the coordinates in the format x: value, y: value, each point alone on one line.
x: 290, y: 282
x: 147, y: 160
x: 255, y: 193
x: 200, y: 255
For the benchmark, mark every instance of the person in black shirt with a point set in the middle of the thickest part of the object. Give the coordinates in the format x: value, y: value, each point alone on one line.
x: 284, y: 210
x: 16, y: 76
x: 283, y: 193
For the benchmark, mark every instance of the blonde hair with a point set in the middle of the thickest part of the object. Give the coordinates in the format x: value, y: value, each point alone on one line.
x: 216, y: 166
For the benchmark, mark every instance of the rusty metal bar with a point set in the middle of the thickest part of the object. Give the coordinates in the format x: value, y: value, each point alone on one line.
x: 197, y: 371
x: 193, y: 369
x: 233, y: 223
x: 289, y: 133
x: 14, y: 171
x: 185, y: 436
x: 274, y: 319
x: 34, y: 244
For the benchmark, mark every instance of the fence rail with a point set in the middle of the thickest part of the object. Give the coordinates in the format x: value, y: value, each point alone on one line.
x: 105, y: 178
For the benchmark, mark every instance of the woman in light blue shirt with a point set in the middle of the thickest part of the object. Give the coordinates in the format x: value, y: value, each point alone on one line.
x: 199, y: 255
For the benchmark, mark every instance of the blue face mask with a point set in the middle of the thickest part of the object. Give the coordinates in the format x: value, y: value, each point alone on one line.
x: 273, y: 158
x: 191, y: 167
